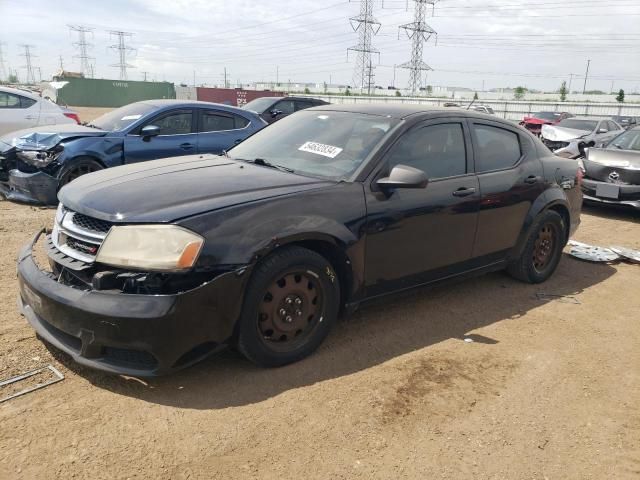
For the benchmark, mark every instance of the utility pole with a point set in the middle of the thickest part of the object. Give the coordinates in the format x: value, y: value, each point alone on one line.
x: 194, y: 78
x: 586, y: 76
x: 612, y: 83
x: 83, y: 48
x: 226, y: 83
x: 61, y: 64
x: 370, y: 77
x: 366, y: 26
x: 39, y: 74
x: 277, y: 75
x: 571, y: 75
x: 122, y: 49
x: 31, y: 79
x: 419, y: 32
x: 145, y: 76
x: 4, y: 72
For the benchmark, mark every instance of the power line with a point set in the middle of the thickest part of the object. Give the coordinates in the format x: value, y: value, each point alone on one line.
x: 83, y: 47
x: 419, y: 32
x: 122, y: 49
x: 31, y: 78
x: 366, y: 26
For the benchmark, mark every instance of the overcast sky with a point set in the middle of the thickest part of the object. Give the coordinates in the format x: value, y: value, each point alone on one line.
x: 503, y: 43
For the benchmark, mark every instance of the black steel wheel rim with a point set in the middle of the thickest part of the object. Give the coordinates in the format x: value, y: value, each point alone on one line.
x: 544, y: 247
x: 290, y: 310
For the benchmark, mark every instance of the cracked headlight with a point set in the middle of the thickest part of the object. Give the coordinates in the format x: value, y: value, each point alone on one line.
x: 38, y: 158
x: 150, y: 247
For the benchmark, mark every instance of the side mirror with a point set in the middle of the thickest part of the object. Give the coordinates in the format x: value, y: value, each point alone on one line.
x: 275, y: 113
x: 603, y: 130
x: 150, y: 131
x: 402, y: 176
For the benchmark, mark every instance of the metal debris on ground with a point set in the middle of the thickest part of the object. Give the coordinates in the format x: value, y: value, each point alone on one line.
x: 468, y: 340
x: 627, y: 254
x: 57, y: 378
x: 559, y: 298
x: 592, y: 253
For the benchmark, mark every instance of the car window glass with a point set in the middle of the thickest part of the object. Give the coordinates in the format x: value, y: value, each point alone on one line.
x: 240, y: 122
x: 216, y: 122
x: 497, y: 148
x: 27, y: 102
x: 437, y: 150
x: 8, y: 100
x: 612, y: 126
x: 629, y: 140
x: 285, y: 106
x: 303, y: 105
x: 174, y: 124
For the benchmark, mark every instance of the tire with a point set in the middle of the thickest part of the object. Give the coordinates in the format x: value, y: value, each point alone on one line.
x: 76, y: 168
x: 290, y: 305
x: 539, y: 259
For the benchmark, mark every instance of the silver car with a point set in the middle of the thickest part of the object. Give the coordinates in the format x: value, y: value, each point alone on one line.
x: 571, y: 136
x: 612, y: 173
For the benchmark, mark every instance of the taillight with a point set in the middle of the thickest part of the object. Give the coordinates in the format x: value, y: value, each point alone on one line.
x: 73, y: 116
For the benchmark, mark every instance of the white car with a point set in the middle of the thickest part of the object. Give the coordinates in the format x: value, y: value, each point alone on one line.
x: 21, y: 109
x: 571, y: 136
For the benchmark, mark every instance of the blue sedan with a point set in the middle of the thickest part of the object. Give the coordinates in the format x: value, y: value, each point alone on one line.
x: 36, y: 163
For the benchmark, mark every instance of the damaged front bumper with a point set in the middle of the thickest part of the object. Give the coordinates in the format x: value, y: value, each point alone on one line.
x: 132, y: 334
x: 595, y: 191
x: 38, y: 188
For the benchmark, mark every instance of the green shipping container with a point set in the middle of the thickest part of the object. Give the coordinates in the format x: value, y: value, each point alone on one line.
x: 93, y: 92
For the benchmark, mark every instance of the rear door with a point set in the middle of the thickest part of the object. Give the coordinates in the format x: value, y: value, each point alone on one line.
x: 219, y: 130
x: 511, y: 179
x: 17, y: 112
x: 178, y: 136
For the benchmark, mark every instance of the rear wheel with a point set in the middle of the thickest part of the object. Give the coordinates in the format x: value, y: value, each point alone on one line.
x: 76, y: 169
x: 543, y: 249
x: 290, y: 305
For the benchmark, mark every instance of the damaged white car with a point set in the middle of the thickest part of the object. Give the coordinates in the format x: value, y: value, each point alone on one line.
x: 571, y: 136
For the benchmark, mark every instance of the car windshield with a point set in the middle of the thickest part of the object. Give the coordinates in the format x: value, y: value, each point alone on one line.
x: 259, y: 104
x: 122, y: 117
x: 586, y: 125
x: 317, y: 143
x: 546, y: 115
x: 629, y: 140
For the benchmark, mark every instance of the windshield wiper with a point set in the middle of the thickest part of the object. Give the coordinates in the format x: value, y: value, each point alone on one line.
x: 264, y: 163
x: 91, y: 125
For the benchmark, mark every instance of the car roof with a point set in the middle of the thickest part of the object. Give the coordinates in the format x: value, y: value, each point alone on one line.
x: 21, y: 91
x: 400, y: 111
x: 191, y: 103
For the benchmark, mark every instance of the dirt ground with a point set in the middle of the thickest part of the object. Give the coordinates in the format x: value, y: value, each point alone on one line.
x: 547, y: 390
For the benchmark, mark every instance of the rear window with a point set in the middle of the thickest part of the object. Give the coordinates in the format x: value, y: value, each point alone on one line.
x: 497, y: 148
x: 546, y: 115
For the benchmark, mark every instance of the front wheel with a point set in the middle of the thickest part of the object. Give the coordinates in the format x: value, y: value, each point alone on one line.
x: 77, y: 168
x: 290, y: 305
x: 543, y: 249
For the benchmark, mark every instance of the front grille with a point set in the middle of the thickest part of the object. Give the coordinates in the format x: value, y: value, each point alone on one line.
x: 83, y: 247
x: 91, y: 224
x: 551, y: 145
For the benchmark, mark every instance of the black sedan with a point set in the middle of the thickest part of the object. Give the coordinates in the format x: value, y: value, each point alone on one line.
x: 272, y: 109
x: 154, y: 266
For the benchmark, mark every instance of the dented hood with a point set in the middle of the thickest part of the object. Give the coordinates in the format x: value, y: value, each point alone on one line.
x: 46, y: 137
x: 562, y: 134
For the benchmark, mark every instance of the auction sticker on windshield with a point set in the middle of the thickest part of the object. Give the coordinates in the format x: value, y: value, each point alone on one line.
x: 321, y: 149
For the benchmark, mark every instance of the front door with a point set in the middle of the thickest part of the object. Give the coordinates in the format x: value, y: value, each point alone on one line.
x: 418, y: 235
x: 177, y: 136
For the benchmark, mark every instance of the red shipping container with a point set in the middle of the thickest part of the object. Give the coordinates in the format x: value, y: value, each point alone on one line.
x: 232, y: 96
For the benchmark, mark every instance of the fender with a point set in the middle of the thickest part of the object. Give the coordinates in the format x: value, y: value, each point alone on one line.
x: 107, y: 150
x: 550, y: 198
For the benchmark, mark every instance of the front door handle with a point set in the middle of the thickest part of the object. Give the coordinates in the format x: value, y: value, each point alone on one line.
x: 30, y: 117
x: 464, y: 192
x: 531, y: 179
x: 186, y: 146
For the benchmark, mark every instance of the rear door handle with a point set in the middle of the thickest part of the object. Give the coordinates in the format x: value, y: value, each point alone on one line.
x: 30, y: 117
x: 464, y: 192
x: 531, y: 179
x: 186, y: 146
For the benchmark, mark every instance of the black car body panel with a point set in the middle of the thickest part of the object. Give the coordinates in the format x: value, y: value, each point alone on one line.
x: 273, y: 109
x: 378, y: 241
